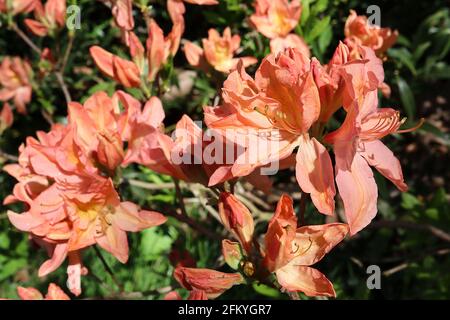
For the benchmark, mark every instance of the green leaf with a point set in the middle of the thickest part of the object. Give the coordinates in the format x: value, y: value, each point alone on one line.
x: 409, y: 201
x: 407, y: 97
x: 405, y: 58
x: 267, y: 291
x: 317, y: 29
x: 154, y: 244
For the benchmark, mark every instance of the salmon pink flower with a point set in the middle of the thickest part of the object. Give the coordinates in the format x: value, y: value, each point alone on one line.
x: 100, y: 126
x: 183, y: 156
x: 271, y: 116
x: 358, y: 31
x: 290, y: 251
x: 15, y: 81
x: 54, y: 293
x: 17, y: 6
x: 6, y: 118
x: 71, y: 203
x: 357, y: 142
x: 48, y: 18
x: 217, y: 51
x: 237, y: 219
x: 212, y: 282
x: 146, y: 62
x: 275, y: 20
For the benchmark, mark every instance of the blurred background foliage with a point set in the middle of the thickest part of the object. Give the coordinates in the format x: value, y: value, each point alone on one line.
x: 409, y: 238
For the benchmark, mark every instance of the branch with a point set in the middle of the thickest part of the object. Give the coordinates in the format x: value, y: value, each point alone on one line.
x: 8, y: 156
x: 25, y: 38
x: 194, y: 225
x: 107, y: 268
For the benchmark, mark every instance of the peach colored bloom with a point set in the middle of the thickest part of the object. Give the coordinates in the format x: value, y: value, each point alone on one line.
x: 72, y: 203
x: 122, y: 11
x: 54, y: 293
x: 359, y: 32
x: 6, y: 118
x: 101, y: 127
x: 277, y: 108
x: 237, y: 219
x: 290, y: 41
x: 146, y: 62
x: 15, y: 81
x: 183, y: 156
x: 290, y: 251
x: 217, y: 51
x: 212, y: 282
x: 18, y: 6
x: 275, y: 19
x: 328, y: 80
x: 357, y: 142
x: 48, y: 18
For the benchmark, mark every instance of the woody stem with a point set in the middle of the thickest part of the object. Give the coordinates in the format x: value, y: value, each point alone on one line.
x: 108, y: 268
x: 180, y: 197
x: 25, y: 38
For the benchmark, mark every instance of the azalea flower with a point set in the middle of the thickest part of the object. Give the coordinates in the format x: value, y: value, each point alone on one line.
x: 271, y: 116
x: 101, y: 127
x: 17, y: 6
x: 54, y: 293
x: 15, y: 82
x: 48, y: 18
x: 71, y: 203
x: 146, y: 62
x: 358, y: 32
x: 290, y: 251
x: 213, y: 283
x: 6, y: 118
x: 237, y: 219
x: 182, y: 155
x: 217, y: 51
x: 275, y: 19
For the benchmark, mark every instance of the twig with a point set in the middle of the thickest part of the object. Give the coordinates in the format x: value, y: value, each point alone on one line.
x: 194, y: 224
x: 67, y: 53
x: 150, y: 186
x: 108, y: 268
x: 180, y: 196
x: 439, y: 233
x: 8, y: 156
x: 25, y: 38
x: 62, y: 84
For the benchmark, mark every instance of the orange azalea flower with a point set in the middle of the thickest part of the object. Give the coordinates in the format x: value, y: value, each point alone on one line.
x: 54, y: 293
x: 15, y: 81
x: 290, y: 251
x: 158, y: 50
x: 101, y: 127
x: 217, y: 51
x: 6, y: 118
x: 275, y: 19
x: 359, y: 32
x: 357, y: 142
x: 276, y: 110
x: 48, y: 17
x: 237, y: 219
x: 181, y: 157
x: 18, y: 6
x: 71, y: 204
x: 212, y: 282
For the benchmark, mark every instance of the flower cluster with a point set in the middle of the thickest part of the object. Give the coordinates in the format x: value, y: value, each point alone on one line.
x: 68, y: 177
x: 65, y: 178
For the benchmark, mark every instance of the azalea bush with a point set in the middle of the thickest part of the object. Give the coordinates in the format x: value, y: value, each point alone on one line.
x: 203, y: 149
